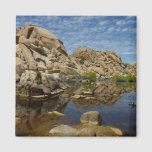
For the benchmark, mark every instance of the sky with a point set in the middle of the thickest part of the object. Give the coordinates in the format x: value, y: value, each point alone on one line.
x: 117, y: 33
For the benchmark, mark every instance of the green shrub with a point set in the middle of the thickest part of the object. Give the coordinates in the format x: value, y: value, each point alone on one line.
x: 129, y: 78
x: 81, y: 62
x: 90, y: 75
x: 55, y: 55
x: 69, y: 73
x: 50, y: 71
x: 71, y: 65
x: 36, y: 43
x: 20, y: 91
x: 128, y: 85
x: 38, y: 74
x: 88, y: 86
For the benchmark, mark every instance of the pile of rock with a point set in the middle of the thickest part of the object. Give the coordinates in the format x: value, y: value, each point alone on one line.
x: 104, y: 63
x: 41, y: 59
x: 89, y: 126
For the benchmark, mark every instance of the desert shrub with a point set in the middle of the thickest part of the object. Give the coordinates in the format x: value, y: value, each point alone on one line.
x: 129, y: 78
x: 69, y: 73
x: 20, y: 91
x: 71, y: 65
x: 125, y: 65
x: 90, y: 75
x: 38, y: 74
x: 55, y: 55
x: 128, y: 85
x: 50, y: 71
x: 36, y: 43
x: 88, y: 86
x: 81, y: 62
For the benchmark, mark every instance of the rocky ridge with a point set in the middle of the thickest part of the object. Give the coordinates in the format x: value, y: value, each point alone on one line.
x: 43, y: 64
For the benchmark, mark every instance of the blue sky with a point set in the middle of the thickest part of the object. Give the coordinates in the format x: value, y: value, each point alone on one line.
x: 117, y: 33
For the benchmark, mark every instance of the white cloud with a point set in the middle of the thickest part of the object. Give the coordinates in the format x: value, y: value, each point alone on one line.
x: 111, y: 29
x: 118, y: 29
x: 103, y: 22
x: 120, y: 22
x: 129, y: 29
x: 130, y: 17
x: 133, y: 30
x: 125, y: 29
x: 131, y: 21
x: 38, y: 24
x: 127, y: 53
x: 18, y: 23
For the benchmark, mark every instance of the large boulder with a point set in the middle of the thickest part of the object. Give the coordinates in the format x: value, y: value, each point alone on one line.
x: 91, y: 117
x: 133, y: 64
x: 41, y: 66
x: 108, y: 131
x: 28, y: 57
x: 66, y: 69
x: 63, y: 130
x: 103, y: 63
x: 20, y: 66
x: 83, y: 53
x: 36, y: 90
x: 88, y: 131
x: 113, y: 56
x: 86, y: 128
x: 28, y: 78
x: 45, y: 37
x: 50, y: 80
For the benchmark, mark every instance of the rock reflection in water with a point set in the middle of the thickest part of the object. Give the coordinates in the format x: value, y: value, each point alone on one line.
x: 36, y: 118
x: 107, y: 94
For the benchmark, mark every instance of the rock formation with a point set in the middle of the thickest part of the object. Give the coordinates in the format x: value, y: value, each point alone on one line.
x: 42, y: 61
x: 89, y: 126
x: 104, y: 63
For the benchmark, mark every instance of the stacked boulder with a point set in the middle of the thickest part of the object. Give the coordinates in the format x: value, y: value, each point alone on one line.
x: 104, y: 63
x: 89, y: 126
x: 41, y: 59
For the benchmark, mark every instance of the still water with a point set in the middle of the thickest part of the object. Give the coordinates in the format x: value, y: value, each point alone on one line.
x: 113, y: 104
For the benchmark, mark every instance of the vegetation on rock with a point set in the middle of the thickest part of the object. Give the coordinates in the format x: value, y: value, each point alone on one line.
x: 81, y: 62
x: 38, y: 73
x: 20, y: 91
x: 36, y: 43
x: 88, y: 86
x: 129, y: 78
x: 90, y: 75
x: 69, y: 73
x: 71, y: 65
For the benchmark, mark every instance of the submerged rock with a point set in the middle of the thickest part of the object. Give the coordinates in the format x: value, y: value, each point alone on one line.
x: 132, y: 104
x: 108, y: 131
x: 89, y: 126
x: 88, y: 131
x: 76, y: 97
x: 90, y: 98
x: 63, y: 130
x: 91, y: 117
x: 87, y: 92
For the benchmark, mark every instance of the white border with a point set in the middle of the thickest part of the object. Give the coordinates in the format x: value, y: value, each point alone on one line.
x: 9, y: 9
